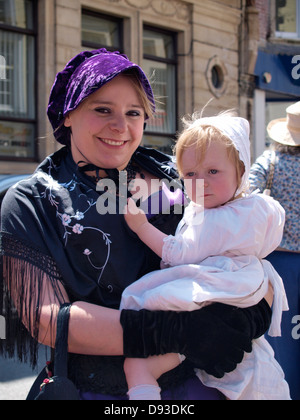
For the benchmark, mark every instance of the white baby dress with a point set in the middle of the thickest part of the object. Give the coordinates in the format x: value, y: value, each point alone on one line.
x: 217, y: 255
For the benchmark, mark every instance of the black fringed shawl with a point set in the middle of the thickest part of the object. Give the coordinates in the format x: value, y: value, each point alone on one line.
x: 51, y: 233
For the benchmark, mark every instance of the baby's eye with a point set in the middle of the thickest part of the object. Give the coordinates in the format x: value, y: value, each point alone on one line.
x: 190, y: 174
x: 213, y: 171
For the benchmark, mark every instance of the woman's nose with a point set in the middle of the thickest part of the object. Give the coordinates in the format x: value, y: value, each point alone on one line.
x: 118, y: 124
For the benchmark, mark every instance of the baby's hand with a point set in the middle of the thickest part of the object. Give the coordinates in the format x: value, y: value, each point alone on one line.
x: 134, y: 216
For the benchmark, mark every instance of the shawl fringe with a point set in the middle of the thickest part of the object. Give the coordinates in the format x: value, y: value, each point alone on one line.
x: 27, y: 275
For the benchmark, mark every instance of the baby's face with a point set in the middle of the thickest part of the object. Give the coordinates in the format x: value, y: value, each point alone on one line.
x: 217, y: 172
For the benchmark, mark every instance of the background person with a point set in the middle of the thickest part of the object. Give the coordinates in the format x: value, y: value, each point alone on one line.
x: 281, y: 166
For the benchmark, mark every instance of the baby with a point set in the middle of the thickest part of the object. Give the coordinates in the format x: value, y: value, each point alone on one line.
x: 216, y: 256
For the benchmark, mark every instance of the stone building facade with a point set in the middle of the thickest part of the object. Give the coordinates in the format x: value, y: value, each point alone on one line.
x: 195, y: 50
x: 277, y: 68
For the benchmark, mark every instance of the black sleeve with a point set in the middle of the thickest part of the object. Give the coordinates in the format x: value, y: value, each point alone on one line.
x: 214, y: 338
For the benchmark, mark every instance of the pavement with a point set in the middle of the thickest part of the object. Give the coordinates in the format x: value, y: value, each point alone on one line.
x: 17, y: 378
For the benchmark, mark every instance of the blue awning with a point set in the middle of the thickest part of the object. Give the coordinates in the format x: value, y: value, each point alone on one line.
x: 279, y: 71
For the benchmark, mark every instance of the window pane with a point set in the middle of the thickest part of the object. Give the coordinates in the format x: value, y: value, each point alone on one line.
x: 17, y: 13
x: 286, y: 16
x: 158, y: 44
x: 164, y: 144
x: 16, y: 139
x: 100, y: 31
x: 163, y: 76
x: 17, y: 97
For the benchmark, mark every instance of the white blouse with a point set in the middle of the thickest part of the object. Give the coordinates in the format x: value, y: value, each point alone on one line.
x: 252, y: 225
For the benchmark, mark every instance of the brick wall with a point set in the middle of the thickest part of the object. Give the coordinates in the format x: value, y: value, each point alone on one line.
x: 264, y: 18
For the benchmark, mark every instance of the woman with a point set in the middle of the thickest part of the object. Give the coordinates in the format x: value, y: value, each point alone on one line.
x: 56, y: 246
x: 282, y: 162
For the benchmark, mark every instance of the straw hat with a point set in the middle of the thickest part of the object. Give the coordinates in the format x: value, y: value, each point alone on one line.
x: 287, y: 130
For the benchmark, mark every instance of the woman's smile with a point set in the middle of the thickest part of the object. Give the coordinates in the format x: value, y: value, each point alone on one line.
x: 113, y: 143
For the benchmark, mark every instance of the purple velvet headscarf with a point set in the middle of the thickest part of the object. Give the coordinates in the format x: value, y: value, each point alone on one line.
x: 83, y: 75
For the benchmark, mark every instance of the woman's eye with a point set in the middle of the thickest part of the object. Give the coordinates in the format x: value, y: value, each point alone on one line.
x: 134, y: 113
x: 103, y: 110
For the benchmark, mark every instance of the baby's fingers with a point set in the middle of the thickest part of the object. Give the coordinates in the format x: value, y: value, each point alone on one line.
x: 132, y: 207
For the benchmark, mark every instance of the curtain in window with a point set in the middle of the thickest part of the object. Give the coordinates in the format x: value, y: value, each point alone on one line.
x: 16, y: 90
x: 162, y: 76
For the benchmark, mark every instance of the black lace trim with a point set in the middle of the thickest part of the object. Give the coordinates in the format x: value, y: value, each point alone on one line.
x: 11, y: 246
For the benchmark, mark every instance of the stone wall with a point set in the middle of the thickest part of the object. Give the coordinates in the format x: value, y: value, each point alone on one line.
x: 209, y: 39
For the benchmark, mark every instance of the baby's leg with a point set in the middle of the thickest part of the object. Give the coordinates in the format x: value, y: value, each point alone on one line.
x: 142, y: 375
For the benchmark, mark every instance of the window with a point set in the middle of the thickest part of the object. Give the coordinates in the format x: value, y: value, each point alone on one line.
x: 17, y: 79
x: 288, y: 18
x: 101, y: 31
x: 161, y: 67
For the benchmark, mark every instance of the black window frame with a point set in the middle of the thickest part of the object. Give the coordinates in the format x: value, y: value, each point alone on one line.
x: 284, y: 34
x: 34, y: 33
x: 95, y: 45
x: 172, y: 61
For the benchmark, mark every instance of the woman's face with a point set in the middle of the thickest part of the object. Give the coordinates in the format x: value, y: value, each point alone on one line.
x: 107, y: 127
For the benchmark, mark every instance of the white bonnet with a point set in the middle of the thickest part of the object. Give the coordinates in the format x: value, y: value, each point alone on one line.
x: 238, y: 131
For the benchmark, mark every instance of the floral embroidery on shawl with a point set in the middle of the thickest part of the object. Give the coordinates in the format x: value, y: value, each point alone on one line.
x: 70, y: 221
